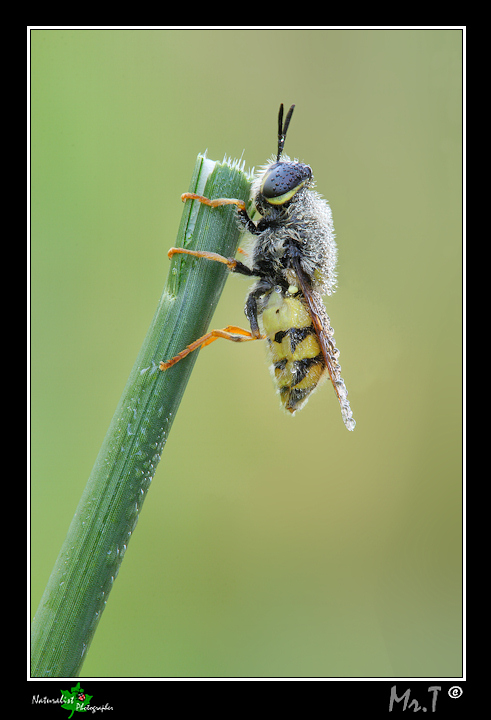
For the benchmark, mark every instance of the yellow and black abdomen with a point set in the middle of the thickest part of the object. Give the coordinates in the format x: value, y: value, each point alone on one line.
x: 298, y: 364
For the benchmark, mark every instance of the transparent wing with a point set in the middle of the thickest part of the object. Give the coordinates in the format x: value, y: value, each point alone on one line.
x: 325, y: 334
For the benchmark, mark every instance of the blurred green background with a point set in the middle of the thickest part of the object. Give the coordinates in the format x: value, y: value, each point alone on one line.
x: 268, y: 545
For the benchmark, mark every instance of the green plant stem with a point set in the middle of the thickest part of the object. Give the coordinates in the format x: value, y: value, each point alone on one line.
x: 106, y: 516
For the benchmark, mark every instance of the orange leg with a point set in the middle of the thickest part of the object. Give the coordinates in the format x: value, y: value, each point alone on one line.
x: 214, y: 203
x: 229, y: 262
x: 231, y: 332
x: 218, y: 202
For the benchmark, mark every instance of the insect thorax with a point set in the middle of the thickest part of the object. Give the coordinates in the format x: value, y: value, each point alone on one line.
x: 305, y: 228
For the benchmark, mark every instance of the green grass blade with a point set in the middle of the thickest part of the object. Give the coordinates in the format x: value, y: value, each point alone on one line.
x: 90, y: 558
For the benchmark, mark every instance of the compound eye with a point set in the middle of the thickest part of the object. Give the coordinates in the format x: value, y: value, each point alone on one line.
x: 282, y: 180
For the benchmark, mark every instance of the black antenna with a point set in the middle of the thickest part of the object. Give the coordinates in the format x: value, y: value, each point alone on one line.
x: 283, y: 128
